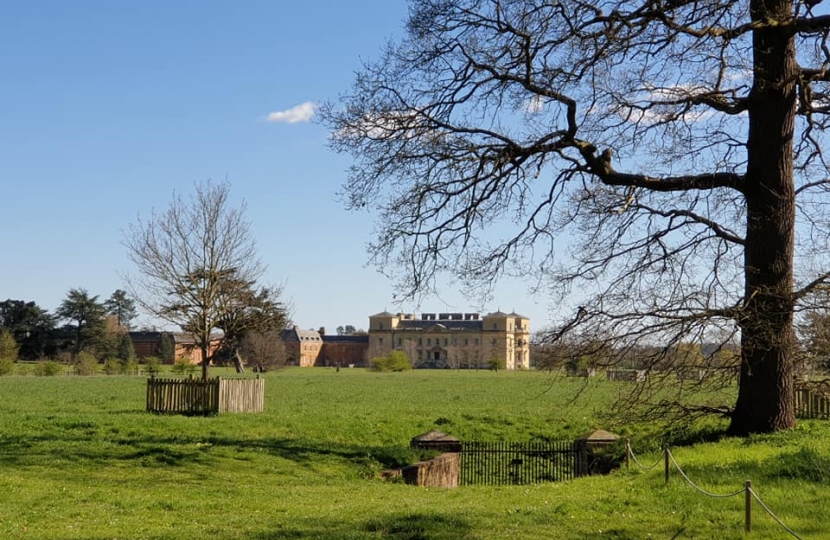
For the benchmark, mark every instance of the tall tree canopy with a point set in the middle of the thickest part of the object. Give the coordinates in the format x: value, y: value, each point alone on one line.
x: 86, y: 318
x: 122, y: 307
x: 659, y: 164
x: 30, y: 325
x: 198, y: 268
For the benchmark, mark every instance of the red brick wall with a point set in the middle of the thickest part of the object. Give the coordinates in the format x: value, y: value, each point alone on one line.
x: 343, y: 354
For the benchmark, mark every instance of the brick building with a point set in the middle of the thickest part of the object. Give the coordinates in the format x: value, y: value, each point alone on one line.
x: 148, y: 343
x: 349, y: 350
x: 308, y: 348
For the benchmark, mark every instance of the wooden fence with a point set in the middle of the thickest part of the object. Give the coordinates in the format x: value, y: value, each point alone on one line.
x: 808, y: 404
x: 633, y: 375
x: 500, y: 463
x: 214, y: 396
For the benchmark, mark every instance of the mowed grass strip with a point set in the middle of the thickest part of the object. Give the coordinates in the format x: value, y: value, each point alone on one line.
x: 80, y: 459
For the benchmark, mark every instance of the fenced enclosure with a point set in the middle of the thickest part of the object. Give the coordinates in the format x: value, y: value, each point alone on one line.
x: 809, y: 404
x: 214, y: 396
x: 631, y: 375
x: 501, y: 463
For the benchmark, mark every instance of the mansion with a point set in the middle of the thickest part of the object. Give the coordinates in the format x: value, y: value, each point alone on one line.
x: 442, y: 340
x: 453, y: 340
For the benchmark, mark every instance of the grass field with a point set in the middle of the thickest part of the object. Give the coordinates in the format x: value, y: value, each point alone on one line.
x: 80, y: 459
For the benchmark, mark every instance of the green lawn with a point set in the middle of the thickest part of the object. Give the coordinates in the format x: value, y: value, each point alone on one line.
x: 79, y: 459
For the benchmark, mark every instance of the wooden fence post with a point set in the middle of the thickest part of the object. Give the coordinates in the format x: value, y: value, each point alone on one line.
x: 748, y: 504
x: 666, y: 460
x: 627, y: 453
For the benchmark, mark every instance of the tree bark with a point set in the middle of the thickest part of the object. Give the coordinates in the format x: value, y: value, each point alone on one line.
x: 237, y: 362
x: 765, y: 396
x: 205, y: 362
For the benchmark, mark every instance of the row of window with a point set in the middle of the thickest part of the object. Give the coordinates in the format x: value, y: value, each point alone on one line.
x: 519, y: 327
x: 437, y: 341
x: 454, y: 341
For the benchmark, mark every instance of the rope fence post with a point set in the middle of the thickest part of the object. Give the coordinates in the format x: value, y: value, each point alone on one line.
x: 627, y: 454
x: 749, y: 494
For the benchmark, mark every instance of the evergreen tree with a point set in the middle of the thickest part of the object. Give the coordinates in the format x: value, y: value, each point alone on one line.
x: 126, y: 351
x: 31, y: 326
x: 166, y: 350
x: 86, y: 316
x: 120, y: 306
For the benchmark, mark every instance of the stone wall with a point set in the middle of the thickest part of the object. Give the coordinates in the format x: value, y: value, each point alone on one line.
x: 439, y: 472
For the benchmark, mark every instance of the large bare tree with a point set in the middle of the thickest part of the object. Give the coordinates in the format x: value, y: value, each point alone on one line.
x: 198, y: 268
x: 656, y: 162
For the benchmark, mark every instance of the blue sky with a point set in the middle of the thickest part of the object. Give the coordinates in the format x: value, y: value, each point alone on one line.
x: 107, y: 108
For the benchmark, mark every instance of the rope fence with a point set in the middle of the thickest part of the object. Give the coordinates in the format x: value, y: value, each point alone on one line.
x: 668, y: 459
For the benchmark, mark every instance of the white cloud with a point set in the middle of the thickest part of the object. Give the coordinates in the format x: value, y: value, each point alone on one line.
x: 389, y: 125
x: 301, y: 113
x: 534, y: 105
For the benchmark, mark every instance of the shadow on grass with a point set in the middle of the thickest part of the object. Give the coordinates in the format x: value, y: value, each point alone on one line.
x: 418, y: 526
x: 803, y: 464
x: 174, y: 451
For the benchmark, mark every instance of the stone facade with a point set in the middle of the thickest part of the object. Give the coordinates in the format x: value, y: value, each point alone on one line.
x: 453, y: 340
x: 441, y: 471
x: 302, y: 347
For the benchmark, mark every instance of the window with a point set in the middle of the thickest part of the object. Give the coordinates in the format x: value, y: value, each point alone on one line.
x: 380, y: 341
x: 380, y: 326
x: 420, y: 341
x: 399, y: 342
x: 429, y: 342
x: 466, y: 341
x: 476, y: 341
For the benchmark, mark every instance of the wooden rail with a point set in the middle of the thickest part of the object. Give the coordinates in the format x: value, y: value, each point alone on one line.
x: 241, y: 395
x: 811, y: 405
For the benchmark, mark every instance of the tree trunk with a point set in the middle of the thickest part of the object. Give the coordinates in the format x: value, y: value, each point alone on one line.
x: 765, y: 396
x: 237, y: 362
x: 205, y: 362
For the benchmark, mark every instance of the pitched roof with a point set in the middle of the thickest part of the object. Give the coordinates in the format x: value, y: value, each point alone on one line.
x: 297, y: 334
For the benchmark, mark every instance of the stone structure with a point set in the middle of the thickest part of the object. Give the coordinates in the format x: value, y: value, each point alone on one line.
x: 302, y: 347
x: 453, y: 340
x: 436, y: 440
x: 441, y: 471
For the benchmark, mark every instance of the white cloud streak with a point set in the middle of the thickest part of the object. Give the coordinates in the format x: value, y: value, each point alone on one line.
x: 534, y: 105
x: 300, y: 113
